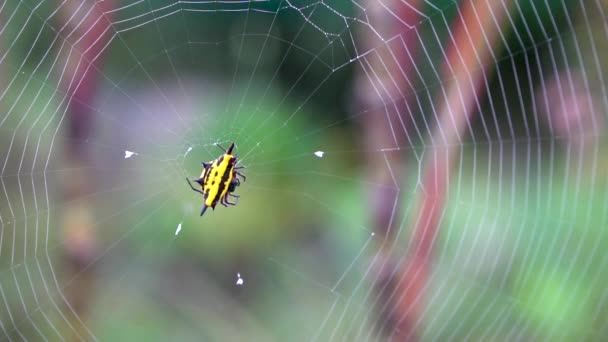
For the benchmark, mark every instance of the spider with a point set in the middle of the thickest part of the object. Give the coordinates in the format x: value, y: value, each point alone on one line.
x: 219, y: 180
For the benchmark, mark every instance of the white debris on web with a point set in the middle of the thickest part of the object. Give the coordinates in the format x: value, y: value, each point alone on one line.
x: 187, y: 151
x: 319, y: 154
x: 129, y: 154
x: 239, y: 280
x: 179, y: 228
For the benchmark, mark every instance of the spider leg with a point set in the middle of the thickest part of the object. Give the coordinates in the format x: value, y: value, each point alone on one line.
x: 240, y: 167
x: 226, y: 199
x: 223, y: 201
x: 220, y: 146
x: 237, y: 173
x: 193, y: 188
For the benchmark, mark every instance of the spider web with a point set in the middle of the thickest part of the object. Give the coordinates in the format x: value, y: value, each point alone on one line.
x: 303, y: 87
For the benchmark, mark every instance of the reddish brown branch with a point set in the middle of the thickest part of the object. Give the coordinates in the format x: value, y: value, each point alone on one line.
x: 92, y: 32
x: 475, y: 36
x: 382, y: 87
x: 385, y: 79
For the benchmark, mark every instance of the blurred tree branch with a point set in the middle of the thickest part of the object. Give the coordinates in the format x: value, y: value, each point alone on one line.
x: 476, y: 31
x: 382, y: 85
x: 474, y: 39
x: 90, y: 29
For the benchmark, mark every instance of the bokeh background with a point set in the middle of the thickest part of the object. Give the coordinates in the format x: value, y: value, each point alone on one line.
x: 416, y: 170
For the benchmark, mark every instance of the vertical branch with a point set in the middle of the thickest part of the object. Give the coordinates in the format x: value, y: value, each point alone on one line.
x: 384, y: 80
x: 476, y: 33
x: 92, y: 32
x: 380, y: 90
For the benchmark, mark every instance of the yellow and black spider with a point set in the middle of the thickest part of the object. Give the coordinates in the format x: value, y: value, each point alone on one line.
x: 219, y: 180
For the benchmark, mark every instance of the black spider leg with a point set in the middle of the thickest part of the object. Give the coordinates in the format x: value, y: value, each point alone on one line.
x: 193, y: 188
x: 240, y: 174
x: 202, y: 193
x: 223, y: 201
x: 228, y: 201
x: 229, y: 151
x: 220, y: 146
x: 235, y: 196
x: 237, y: 173
x: 239, y: 167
